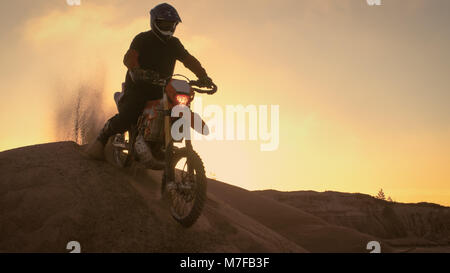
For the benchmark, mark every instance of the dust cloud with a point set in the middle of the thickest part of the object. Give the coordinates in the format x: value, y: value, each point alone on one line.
x: 79, y: 112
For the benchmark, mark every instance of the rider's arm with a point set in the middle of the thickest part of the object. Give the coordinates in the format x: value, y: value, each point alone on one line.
x: 130, y: 60
x: 188, y: 60
x: 194, y: 65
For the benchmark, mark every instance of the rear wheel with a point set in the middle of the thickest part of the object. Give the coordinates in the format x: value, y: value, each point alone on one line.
x: 120, y: 149
x: 187, y: 193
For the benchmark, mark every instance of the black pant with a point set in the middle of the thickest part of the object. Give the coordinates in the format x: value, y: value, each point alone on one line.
x: 130, y: 108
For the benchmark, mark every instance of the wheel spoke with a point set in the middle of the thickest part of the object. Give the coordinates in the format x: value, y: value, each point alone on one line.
x: 174, y: 203
x: 183, y: 173
x: 185, y: 206
x: 180, y: 206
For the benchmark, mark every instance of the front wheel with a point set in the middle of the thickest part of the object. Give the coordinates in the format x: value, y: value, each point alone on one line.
x: 187, y: 193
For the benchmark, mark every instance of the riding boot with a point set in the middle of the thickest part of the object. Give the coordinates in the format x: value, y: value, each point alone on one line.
x: 96, y: 150
x: 106, y: 132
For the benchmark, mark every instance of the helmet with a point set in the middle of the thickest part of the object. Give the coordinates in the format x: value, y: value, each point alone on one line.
x: 163, y: 20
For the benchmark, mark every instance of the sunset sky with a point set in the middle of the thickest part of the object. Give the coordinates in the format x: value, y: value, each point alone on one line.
x: 363, y: 91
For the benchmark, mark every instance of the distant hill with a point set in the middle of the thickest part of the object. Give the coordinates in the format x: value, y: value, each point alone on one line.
x: 421, y: 224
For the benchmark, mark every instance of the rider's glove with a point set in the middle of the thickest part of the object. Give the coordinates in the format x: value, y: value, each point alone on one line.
x: 150, y: 76
x: 205, y: 81
x: 137, y: 74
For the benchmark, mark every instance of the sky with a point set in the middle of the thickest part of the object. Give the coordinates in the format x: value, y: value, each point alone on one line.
x: 363, y: 91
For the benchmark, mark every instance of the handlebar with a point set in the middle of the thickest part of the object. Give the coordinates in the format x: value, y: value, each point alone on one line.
x: 211, y: 89
x: 153, y: 77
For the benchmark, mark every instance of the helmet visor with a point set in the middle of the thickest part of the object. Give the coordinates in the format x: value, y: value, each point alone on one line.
x: 166, y: 25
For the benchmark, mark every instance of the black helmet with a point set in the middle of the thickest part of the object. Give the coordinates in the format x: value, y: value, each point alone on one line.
x: 163, y: 20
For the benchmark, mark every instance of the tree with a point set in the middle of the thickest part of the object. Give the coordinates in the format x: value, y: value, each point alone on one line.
x: 381, y: 195
x: 389, y: 199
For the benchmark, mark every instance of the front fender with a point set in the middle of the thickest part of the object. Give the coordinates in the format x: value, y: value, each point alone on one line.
x: 204, y: 130
x: 196, y: 122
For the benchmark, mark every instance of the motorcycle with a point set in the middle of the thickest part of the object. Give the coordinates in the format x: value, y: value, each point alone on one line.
x: 150, y: 143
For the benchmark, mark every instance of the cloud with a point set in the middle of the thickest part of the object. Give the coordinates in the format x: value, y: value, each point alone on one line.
x: 72, y: 52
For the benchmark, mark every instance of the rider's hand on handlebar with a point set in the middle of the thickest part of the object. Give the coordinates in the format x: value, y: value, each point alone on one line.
x: 205, y: 81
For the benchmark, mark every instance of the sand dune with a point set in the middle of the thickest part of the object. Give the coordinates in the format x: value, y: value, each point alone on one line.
x: 50, y: 195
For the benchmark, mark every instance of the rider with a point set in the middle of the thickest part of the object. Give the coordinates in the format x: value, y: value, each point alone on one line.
x: 156, y: 50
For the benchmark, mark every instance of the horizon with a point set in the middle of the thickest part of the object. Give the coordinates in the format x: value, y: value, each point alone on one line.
x: 294, y: 191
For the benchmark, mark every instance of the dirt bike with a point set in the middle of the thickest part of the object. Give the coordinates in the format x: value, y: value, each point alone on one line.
x: 150, y: 143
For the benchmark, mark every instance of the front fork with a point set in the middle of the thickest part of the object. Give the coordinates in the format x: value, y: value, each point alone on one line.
x: 169, y: 169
